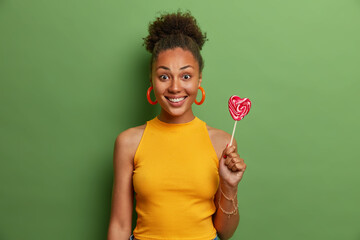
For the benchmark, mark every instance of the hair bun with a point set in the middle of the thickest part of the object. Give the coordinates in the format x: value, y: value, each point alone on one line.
x: 174, y: 24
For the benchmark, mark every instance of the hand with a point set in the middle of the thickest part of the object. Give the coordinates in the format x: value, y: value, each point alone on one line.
x: 231, y: 168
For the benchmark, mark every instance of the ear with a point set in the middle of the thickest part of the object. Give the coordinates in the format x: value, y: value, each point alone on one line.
x: 200, y: 79
x: 150, y: 79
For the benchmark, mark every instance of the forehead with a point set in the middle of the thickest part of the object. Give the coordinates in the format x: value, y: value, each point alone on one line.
x: 176, y: 58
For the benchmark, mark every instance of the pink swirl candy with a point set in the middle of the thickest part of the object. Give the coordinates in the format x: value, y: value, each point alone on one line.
x: 239, y: 107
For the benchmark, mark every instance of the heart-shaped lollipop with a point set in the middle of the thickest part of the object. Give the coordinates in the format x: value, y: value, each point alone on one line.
x: 238, y: 108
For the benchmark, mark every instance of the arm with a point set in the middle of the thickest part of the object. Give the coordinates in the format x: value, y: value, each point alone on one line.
x: 122, y: 194
x: 231, y: 170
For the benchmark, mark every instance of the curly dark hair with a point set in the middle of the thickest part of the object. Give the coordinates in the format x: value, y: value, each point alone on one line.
x: 172, y: 30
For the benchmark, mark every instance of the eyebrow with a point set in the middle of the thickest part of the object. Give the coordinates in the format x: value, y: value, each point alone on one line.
x: 182, y: 68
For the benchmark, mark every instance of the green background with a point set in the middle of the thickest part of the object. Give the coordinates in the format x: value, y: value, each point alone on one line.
x: 73, y: 75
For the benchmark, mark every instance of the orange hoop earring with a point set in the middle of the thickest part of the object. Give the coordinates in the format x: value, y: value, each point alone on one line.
x: 148, y: 96
x: 202, y: 96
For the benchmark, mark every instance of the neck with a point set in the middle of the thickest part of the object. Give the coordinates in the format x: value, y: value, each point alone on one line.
x: 166, y: 117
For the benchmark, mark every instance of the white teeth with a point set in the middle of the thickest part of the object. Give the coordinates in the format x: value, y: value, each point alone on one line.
x: 176, y: 99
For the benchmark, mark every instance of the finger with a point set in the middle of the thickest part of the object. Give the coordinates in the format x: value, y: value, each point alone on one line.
x: 231, y: 164
x: 224, y: 152
x: 240, y: 167
x: 228, y: 160
x: 232, y: 158
x: 234, y: 155
x: 229, y: 150
x: 234, y: 169
x: 240, y: 160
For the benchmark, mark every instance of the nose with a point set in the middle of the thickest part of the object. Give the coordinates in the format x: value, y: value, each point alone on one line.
x: 175, y: 86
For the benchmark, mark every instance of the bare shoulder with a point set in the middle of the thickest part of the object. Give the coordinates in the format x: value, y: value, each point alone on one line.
x: 219, y: 139
x: 130, y: 135
x: 127, y: 141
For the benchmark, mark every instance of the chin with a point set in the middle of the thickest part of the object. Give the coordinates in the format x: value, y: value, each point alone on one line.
x: 175, y: 112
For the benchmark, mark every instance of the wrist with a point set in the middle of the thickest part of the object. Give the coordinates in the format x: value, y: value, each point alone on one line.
x: 228, y: 190
x: 229, y: 195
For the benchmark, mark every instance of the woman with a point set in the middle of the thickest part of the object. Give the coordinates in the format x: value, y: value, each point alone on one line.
x: 184, y: 175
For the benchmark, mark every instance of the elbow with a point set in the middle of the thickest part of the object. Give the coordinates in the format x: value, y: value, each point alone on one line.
x: 224, y: 236
x: 226, y: 229
x: 118, y: 231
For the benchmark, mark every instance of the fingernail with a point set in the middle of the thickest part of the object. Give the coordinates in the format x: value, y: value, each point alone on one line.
x: 226, y: 147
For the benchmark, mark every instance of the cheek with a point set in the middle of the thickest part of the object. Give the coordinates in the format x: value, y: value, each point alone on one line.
x: 157, y: 92
x: 157, y: 88
x: 193, y: 89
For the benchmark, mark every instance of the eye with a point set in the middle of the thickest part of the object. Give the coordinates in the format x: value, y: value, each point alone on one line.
x: 164, y: 77
x: 187, y: 76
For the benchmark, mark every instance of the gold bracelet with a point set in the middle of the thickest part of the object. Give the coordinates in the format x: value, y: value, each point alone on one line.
x: 233, y: 212
x: 231, y: 199
x: 236, y: 206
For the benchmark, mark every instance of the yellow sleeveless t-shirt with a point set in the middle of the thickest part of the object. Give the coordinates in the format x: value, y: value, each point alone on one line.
x: 175, y: 179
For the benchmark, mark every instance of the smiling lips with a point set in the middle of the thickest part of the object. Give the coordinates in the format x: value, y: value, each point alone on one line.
x: 176, y: 99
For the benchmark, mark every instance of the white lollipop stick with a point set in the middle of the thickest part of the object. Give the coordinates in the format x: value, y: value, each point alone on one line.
x: 233, y: 133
